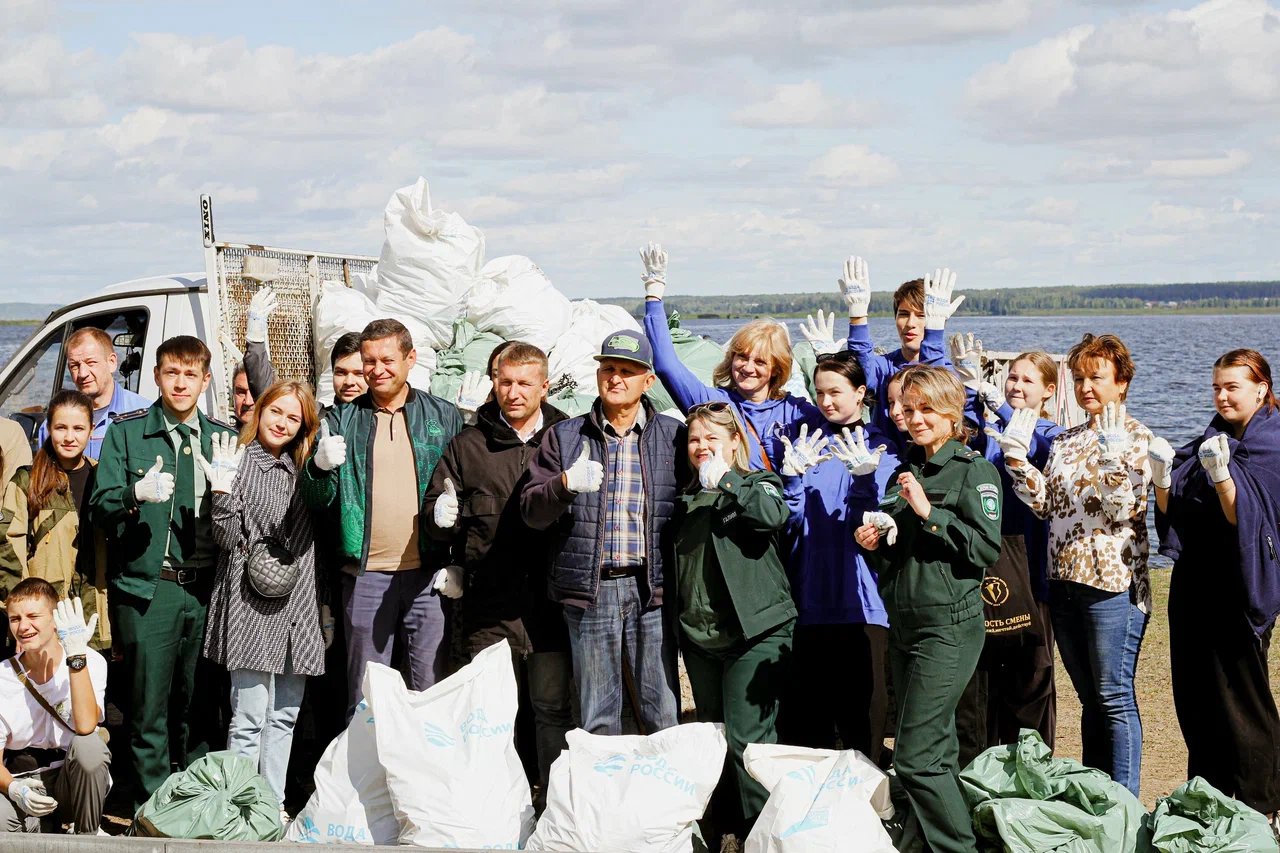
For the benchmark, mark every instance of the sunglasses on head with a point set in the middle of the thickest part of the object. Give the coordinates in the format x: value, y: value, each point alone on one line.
x: 715, y: 407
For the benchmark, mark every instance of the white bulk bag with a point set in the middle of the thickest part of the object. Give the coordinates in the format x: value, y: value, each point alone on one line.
x: 429, y: 261
x: 339, y: 310
x: 571, y: 363
x: 450, y: 756
x: 631, y: 793
x: 516, y: 301
x: 820, y: 801
x: 420, y: 375
x: 351, y: 803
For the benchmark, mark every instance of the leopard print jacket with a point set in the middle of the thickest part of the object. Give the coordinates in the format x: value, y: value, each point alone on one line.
x: 1096, y: 509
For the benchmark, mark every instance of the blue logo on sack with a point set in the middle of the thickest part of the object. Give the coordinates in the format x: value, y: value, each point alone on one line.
x: 611, y: 765
x: 814, y: 820
x: 656, y: 766
x: 477, y: 725
x: 805, y: 774
x: 437, y: 736
x: 310, y: 833
x: 362, y: 707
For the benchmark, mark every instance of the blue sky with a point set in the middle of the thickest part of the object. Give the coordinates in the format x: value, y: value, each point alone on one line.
x: 1020, y: 142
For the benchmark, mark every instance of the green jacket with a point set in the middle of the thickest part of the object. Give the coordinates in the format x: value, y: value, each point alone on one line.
x: 346, y: 491
x: 931, y: 575
x: 139, y: 531
x: 751, y: 511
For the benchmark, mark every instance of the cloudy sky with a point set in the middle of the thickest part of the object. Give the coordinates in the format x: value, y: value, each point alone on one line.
x: 1021, y: 142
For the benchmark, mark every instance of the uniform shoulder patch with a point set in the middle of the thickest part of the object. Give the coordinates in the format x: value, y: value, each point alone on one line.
x: 990, y: 496
x: 769, y: 489
x: 888, y: 500
x: 221, y: 423
x: 129, y: 416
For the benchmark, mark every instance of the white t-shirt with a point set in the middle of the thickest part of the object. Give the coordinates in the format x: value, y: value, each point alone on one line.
x: 23, y: 723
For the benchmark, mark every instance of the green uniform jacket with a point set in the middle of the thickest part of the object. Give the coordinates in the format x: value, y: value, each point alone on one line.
x: 140, y: 530
x: 931, y: 575
x: 751, y: 511
x: 347, y: 490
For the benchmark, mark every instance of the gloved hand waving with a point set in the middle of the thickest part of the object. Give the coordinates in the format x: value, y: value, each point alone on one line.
x: 156, y: 486
x: 331, y: 450
x: 221, y: 472
x: 1113, y: 432
x: 1160, y: 455
x: 261, y: 306
x: 1215, y: 457
x: 73, y: 633
x: 655, y: 270
x: 804, y: 453
x: 1015, y: 441
x: 855, y: 287
x: 584, y: 475
x: 938, y: 306
x: 966, y: 358
x: 473, y: 394
x: 822, y: 334
x: 852, y: 451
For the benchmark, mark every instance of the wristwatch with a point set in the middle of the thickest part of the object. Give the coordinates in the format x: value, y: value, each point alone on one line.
x: 77, y: 662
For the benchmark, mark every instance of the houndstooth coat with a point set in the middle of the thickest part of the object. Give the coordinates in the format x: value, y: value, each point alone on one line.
x: 246, y: 631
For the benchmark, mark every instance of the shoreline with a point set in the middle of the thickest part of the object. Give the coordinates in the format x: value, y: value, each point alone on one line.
x: 1078, y: 312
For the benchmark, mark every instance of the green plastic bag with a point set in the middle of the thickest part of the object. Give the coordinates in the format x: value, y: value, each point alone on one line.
x: 469, y: 352
x: 220, y: 796
x: 803, y: 362
x: 1026, y: 801
x: 1198, y: 818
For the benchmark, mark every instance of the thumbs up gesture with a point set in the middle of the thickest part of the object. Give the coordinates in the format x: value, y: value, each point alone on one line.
x: 156, y: 486
x: 584, y: 475
x: 331, y: 450
x: 445, y: 513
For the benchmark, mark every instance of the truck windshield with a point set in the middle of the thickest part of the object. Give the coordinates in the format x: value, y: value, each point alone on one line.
x: 26, y: 395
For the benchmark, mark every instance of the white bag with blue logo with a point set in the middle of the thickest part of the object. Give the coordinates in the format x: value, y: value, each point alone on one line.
x: 450, y: 757
x: 631, y: 793
x: 820, y: 801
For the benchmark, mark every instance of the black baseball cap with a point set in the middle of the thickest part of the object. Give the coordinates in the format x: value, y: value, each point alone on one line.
x: 628, y: 345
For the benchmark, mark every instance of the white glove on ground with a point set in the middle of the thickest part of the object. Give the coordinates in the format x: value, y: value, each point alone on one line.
x: 326, y: 625
x: 711, y: 472
x: 473, y: 394
x: 1160, y: 455
x: 822, y: 334
x: 884, y: 525
x: 1113, y: 433
x: 655, y: 270
x: 221, y: 472
x: 260, y: 308
x: 445, y: 513
x: 331, y: 450
x: 1015, y: 441
x: 585, y: 475
x: 855, y: 287
x: 29, y: 795
x: 73, y: 633
x: 938, y: 306
x: 1215, y: 456
x: 156, y: 486
x: 448, y: 582
x: 805, y: 453
x: 852, y: 451
x: 966, y: 359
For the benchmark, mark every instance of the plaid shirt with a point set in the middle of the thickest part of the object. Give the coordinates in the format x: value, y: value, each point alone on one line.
x: 624, y: 545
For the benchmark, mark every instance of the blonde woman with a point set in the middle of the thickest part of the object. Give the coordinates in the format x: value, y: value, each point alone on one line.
x: 269, y: 644
x: 937, y: 532
x: 735, y: 610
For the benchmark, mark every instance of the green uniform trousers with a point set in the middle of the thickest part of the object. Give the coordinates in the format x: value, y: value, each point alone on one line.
x: 162, y: 640
x: 931, y: 667
x: 741, y: 686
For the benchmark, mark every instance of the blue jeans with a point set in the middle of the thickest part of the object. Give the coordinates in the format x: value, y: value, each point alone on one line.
x: 1099, y: 636
x: 617, y: 630
x: 264, y: 708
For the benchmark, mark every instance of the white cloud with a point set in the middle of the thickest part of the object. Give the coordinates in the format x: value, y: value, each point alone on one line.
x: 577, y: 183
x: 854, y: 166
x: 1200, y: 167
x: 804, y: 104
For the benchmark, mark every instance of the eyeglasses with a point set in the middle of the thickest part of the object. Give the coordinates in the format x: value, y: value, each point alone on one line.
x: 715, y: 407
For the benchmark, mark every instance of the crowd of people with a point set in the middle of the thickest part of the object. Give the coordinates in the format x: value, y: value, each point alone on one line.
x: 814, y: 562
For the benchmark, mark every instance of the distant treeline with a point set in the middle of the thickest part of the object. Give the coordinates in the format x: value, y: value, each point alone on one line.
x: 1213, y: 296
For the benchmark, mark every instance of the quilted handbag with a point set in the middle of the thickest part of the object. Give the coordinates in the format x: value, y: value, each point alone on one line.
x: 272, y: 570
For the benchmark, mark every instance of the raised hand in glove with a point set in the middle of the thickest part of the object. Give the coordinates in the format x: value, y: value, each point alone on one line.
x: 584, y: 475
x: 260, y: 308
x: 29, y: 795
x: 448, y: 582
x: 73, y: 633
x: 992, y: 397
x: 822, y: 334
x: 853, y: 452
x: 331, y: 450
x: 445, y: 513
x: 156, y: 486
x: 1215, y: 457
x: 221, y: 472
x: 966, y: 358
x: 1015, y: 441
x: 1113, y: 431
x: 804, y: 453
x: 655, y: 270
x: 855, y: 287
x: 1160, y: 455
x: 711, y: 472
x: 473, y: 394
x: 938, y: 306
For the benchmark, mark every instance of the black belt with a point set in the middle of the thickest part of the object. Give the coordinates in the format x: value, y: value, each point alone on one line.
x: 614, y: 574
x: 182, y: 577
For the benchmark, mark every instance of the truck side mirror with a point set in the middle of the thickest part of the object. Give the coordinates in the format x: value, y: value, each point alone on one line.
x: 127, y: 340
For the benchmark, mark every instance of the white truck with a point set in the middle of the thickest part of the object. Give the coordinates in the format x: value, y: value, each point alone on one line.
x: 142, y: 313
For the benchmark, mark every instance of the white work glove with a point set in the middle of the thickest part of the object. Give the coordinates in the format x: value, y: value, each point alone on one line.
x: 655, y: 270
x: 805, y: 453
x: 29, y: 795
x: 1215, y: 456
x: 938, y: 306
x: 884, y: 525
x: 73, y: 633
x: 1015, y: 441
x: 445, y: 514
x: 326, y: 625
x: 852, y: 451
x: 585, y: 475
x: 448, y: 582
x: 966, y: 359
x: 221, y: 472
x: 331, y: 450
x: 1113, y: 434
x: 711, y: 472
x: 822, y: 334
x: 260, y: 308
x: 473, y: 394
x: 155, y: 487
x: 992, y: 397
x: 1160, y: 455
x: 855, y: 287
